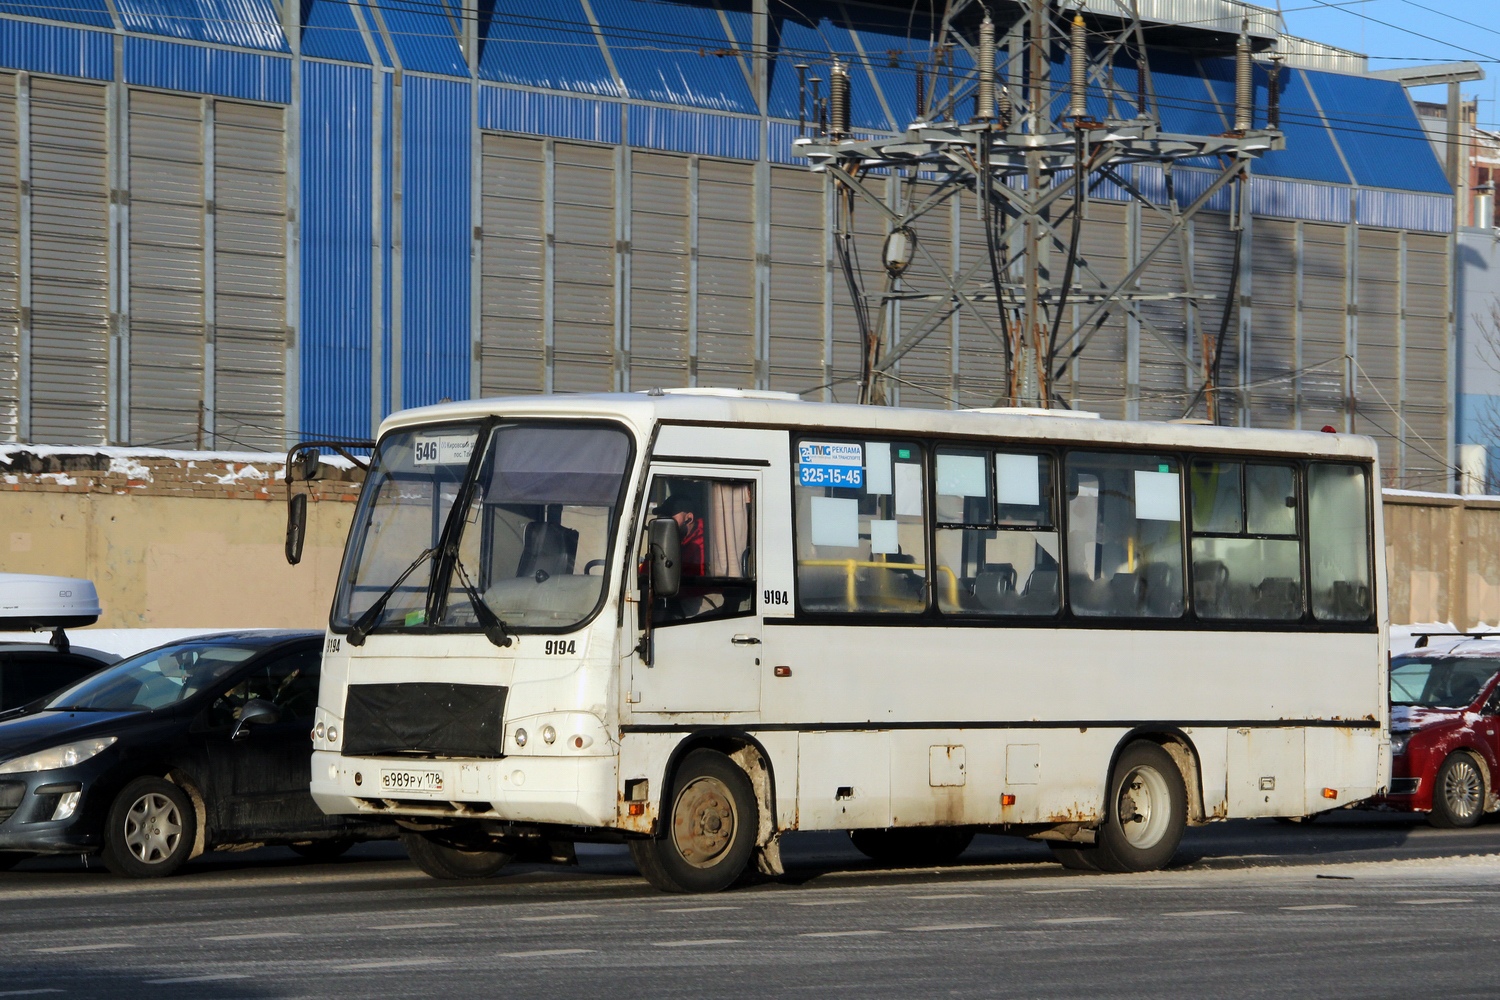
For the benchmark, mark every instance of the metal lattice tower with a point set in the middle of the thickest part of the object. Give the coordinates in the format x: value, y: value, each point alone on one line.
x: 1032, y: 149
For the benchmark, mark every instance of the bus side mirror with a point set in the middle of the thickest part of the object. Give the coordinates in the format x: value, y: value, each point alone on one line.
x: 296, y: 527
x: 304, y: 466
x: 666, y: 557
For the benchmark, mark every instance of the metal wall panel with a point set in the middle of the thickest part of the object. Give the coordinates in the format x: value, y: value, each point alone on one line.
x: 1100, y: 380
x: 512, y: 292
x: 1274, y: 323
x: 1325, y: 294
x: 10, y: 260
x: 427, y: 33
x: 1388, y: 148
x: 204, y: 70
x: 248, y: 24
x: 925, y: 370
x: 506, y: 110
x: 661, y: 270
x: 166, y: 268
x: 70, y: 265
x: 1294, y: 200
x: 47, y: 48
x: 798, y: 269
x: 337, y: 234
x: 1163, y: 376
x: 726, y: 274
x: 549, y: 44
x: 633, y: 31
x: 436, y: 233
x: 92, y: 12
x: 695, y: 132
x: 1213, y: 244
x: 250, y: 319
x: 1405, y: 210
x: 584, y: 290
x: 329, y: 31
x: 1428, y: 270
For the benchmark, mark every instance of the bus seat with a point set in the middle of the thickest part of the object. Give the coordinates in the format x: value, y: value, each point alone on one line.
x: 1163, y: 594
x: 1040, y: 596
x: 1126, y: 594
x: 548, y: 549
x: 995, y: 587
x: 1210, y: 582
x: 1278, y: 597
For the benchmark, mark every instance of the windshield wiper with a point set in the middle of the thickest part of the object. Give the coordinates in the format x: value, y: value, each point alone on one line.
x: 371, y: 617
x: 494, y: 629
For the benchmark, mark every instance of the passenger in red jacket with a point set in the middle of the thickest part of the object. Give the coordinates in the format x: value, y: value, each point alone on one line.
x: 679, y: 508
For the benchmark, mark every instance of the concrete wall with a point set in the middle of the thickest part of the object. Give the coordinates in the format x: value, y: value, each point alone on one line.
x: 1443, y: 558
x: 174, y: 541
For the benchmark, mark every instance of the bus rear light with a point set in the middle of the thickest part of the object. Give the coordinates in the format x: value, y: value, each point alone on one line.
x: 637, y: 808
x: 782, y: 671
x: 1330, y: 793
x: 1007, y: 799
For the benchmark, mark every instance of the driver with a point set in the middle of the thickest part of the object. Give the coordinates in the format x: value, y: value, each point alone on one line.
x: 690, y: 526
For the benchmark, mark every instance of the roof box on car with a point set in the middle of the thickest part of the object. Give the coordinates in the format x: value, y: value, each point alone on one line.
x: 36, y: 602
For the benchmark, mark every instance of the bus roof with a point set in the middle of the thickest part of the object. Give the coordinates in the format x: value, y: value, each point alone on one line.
x: 643, y: 411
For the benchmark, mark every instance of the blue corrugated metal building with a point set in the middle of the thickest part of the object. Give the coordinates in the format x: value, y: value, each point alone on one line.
x: 498, y: 196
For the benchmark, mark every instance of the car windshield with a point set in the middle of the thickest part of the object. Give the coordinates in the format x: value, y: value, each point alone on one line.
x: 1439, y: 682
x: 154, y: 679
x: 533, y: 542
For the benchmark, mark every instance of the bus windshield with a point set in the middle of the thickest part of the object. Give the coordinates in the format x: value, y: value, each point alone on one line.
x: 533, y: 541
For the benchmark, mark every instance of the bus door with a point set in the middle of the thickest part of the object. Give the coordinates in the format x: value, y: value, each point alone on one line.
x: 706, y: 639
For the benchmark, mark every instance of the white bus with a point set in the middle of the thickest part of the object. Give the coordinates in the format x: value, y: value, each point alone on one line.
x: 698, y: 619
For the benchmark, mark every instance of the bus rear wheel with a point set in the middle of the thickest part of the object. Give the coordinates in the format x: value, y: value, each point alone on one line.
x: 708, y: 832
x: 445, y: 861
x: 919, y: 847
x: 1146, y: 812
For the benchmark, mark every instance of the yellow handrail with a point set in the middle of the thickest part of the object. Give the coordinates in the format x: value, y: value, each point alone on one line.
x: 850, y: 565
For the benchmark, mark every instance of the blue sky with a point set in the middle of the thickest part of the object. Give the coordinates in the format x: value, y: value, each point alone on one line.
x: 1408, y: 33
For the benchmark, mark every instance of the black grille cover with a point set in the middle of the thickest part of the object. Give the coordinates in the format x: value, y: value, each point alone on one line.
x: 440, y: 720
x: 11, y: 794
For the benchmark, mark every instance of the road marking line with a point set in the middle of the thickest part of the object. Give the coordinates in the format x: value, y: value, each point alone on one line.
x: 250, y: 937
x: 1204, y: 913
x: 28, y: 993
x: 695, y: 944
x: 928, y: 928
x: 1431, y: 902
x: 399, y: 964
x: 196, y: 979
x: 546, y: 953
x: 1053, y: 892
x: 68, y: 949
x: 697, y: 909
x: 407, y: 927
x: 1079, y: 920
x: 1322, y: 906
x: 559, y: 916
x: 836, y: 934
x: 951, y: 895
x: 823, y: 902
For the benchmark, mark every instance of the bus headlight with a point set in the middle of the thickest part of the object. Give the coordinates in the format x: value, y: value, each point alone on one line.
x: 549, y: 735
x: 520, y: 737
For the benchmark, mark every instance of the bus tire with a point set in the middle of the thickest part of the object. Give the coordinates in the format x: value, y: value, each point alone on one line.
x: 443, y: 861
x: 913, y: 847
x: 1458, y: 793
x: 1071, y: 856
x: 1146, y: 812
x: 708, y: 831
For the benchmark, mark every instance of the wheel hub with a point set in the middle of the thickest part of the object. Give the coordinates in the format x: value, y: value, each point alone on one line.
x: 1143, y: 807
x: 153, y: 828
x: 703, y: 822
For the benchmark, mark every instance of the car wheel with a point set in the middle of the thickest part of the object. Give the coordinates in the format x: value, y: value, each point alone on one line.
x: 322, y: 850
x: 451, y: 862
x: 1458, y: 795
x: 709, y: 831
x: 150, y: 830
x: 918, y: 847
x: 9, y: 859
x: 1147, y: 811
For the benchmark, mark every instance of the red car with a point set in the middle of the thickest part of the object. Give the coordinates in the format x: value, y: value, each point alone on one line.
x: 1445, y: 729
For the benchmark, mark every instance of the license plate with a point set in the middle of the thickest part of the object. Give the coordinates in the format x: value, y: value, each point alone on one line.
x: 411, y: 781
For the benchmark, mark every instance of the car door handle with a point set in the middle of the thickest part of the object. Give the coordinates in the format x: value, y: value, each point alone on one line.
x: 746, y: 640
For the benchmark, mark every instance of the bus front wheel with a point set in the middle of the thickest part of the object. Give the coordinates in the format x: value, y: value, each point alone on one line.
x: 448, y: 862
x: 1147, y: 811
x: 708, y: 832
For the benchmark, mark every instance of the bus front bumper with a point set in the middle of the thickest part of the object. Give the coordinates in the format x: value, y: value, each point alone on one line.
x: 571, y: 791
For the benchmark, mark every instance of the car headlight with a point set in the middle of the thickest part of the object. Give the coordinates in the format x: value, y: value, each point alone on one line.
x: 1398, y: 743
x: 62, y: 756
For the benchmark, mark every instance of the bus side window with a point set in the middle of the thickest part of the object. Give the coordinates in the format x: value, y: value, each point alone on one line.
x: 1247, y: 560
x: 1124, y: 536
x: 861, y: 533
x: 1338, y: 523
x: 715, y: 519
x: 996, y: 545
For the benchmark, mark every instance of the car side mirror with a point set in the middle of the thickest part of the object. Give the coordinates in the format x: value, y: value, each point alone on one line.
x: 256, y: 712
x: 296, y: 527
x: 665, y: 541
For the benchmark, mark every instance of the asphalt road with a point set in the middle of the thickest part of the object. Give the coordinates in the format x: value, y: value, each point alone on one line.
x: 1362, y: 905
